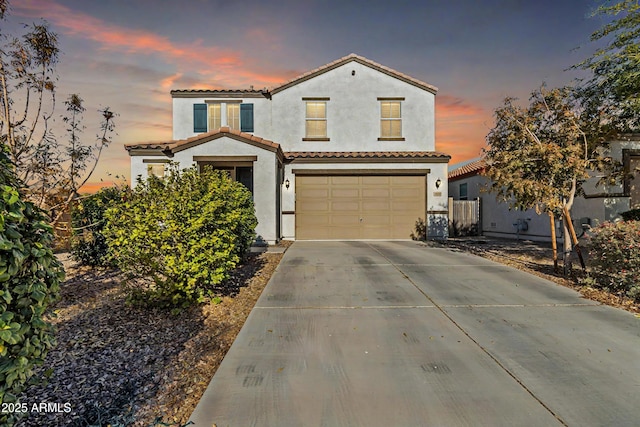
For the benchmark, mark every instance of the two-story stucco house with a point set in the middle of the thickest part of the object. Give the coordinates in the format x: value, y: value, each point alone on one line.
x: 345, y: 151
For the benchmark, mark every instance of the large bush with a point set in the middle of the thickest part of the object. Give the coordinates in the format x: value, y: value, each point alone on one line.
x: 615, y: 258
x: 177, y: 238
x: 30, y: 278
x: 88, y: 245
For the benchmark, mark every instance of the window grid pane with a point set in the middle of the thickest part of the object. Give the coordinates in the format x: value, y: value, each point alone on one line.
x: 390, y: 120
x: 316, y: 120
x: 233, y: 116
x: 215, y: 118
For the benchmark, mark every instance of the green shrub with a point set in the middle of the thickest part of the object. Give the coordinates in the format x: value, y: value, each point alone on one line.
x: 632, y: 215
x: 30, y: 277
x: 88, y: 245
x: 615, y: 258
x: 177, y: 238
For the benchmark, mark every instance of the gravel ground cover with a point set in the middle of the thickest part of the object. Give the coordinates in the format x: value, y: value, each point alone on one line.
x: 124, y: 366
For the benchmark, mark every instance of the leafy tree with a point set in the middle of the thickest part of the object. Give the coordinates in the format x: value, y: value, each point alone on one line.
x: 52, y: 171
x: 178, y: 237
x: 611, y: 96
x: 30, y: 277
x: 538, y: 156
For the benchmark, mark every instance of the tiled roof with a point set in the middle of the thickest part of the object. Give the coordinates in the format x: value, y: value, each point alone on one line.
x: 293, y: 155
x: 472, y: 168
x: 217, y: 92
x: 361, y: 60
x: 181, y: 144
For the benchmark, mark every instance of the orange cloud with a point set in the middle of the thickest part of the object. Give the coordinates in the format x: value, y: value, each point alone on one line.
x: 94, y: 187
x: 461, y: 128
x: 194, y: 56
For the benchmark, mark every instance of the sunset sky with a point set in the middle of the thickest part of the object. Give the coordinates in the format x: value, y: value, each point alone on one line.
x: 128, y: 54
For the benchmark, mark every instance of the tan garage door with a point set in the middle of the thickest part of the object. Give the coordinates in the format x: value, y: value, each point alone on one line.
x: 358, y: 207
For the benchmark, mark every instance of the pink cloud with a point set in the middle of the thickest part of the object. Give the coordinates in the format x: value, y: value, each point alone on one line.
x: 194, y: 56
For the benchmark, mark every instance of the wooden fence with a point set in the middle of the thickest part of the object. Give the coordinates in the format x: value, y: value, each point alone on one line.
x: 464, y: 218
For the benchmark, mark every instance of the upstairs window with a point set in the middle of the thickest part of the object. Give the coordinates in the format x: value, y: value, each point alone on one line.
x: 316, y: 120
x: 233, y: 116
x: 390, y: 119
x: 214, y: 115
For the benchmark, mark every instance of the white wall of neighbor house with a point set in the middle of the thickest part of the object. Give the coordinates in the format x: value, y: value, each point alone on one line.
x: 436, y: 197
x: 183, y: 114
x: 498, y: 220
x: 353, y: 112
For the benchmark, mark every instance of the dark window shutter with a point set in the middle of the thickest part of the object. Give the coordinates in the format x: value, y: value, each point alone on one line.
x: 199, y: 117
x: 246, y: 117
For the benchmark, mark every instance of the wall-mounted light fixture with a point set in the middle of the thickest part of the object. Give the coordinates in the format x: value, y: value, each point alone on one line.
x: 287, y: 183
x: 438, y: 183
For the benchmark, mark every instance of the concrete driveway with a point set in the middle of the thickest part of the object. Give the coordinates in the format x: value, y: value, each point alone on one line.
x: 401, y: 334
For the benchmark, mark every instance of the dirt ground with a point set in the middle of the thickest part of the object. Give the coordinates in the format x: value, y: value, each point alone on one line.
x: 124, y: 366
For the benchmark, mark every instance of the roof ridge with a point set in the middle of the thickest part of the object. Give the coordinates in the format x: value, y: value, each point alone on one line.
x: 201, y: 136
x: 361, y: 59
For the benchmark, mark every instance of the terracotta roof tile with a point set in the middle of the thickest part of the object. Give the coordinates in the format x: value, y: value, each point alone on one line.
x: 292, y: 155
x: 214, y: 92
x: 177, y: 145
x: 472, y: 168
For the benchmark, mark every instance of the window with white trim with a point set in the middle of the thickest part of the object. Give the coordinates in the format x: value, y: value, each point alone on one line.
x: 390, y: 119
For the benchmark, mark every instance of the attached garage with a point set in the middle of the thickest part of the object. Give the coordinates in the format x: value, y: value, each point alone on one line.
x: 359, y: 206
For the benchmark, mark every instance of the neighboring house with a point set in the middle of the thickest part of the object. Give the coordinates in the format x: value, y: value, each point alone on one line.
x: 599, y: 204
x: 345, y: 151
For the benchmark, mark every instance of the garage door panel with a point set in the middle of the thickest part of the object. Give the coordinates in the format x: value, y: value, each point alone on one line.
x: 347, y: 193
x: 345, y: 233
x: 376, y: 220
x: 344, y: 220
x: 376, y: 205
x: 342, y: 206
x: 373, y: 192
x: 317, y: 180
x: 345, y: 180
x: 405, y: 192
x: 388, y: 205
x: 376, y: 180
x: 313, y: 193
x: 314, y: 220
x: 404, y: 205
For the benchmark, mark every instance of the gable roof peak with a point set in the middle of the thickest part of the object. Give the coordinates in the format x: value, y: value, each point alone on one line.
x: 361, y: 60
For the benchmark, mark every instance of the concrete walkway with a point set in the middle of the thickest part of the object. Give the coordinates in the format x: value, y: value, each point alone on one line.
x: 401, y: 334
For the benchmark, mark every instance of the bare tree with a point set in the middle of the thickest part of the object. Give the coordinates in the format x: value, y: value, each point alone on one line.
x: 52, y: 171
